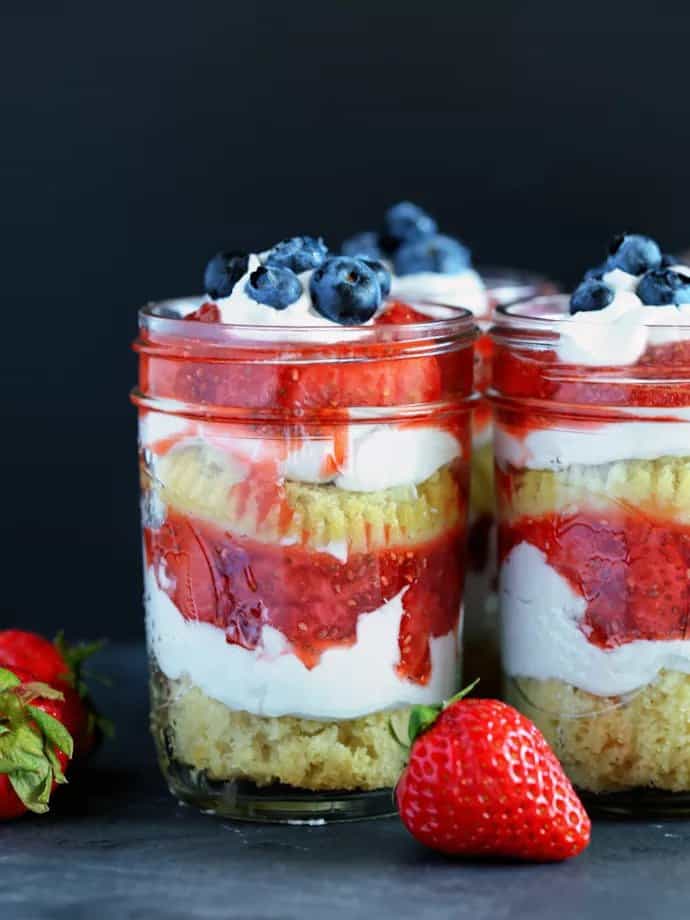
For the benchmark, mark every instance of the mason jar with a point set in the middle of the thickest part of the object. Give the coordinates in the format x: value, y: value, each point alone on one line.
x: 304, y: 509
x: 592, y: 442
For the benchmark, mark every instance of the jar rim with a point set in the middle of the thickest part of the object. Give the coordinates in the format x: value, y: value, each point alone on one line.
x: 529, y: 314
x: 164, y: 321
x: 508, y: 285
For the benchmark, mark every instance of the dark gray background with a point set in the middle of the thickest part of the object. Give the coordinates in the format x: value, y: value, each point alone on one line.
x: 140, y: 137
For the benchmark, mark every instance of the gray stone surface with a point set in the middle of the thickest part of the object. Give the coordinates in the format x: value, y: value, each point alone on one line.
x: 117, y: 846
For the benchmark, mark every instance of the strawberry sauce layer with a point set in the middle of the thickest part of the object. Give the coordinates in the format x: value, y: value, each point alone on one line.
x: 303, y: 376
x: 661, y: 378
x: 240, y: 585
x: 633, y: 570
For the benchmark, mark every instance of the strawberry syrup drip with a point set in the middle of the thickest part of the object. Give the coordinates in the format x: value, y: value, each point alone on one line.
x: 240, y: 585
x: 632, y: 569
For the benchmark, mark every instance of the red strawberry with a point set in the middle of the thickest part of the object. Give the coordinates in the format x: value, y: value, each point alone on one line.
x: 33, y: 653
x: 60, y: 666
x: 481, y: 780
x: 35, y: 746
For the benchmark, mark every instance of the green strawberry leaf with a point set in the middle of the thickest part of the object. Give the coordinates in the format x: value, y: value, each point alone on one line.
x: 8, y: 680
x: 461, y: 694
x: 54, y: 731
x: 421, y: 718
x: 75, y: 656
x: 35, y: 688
x: 58, y: 775
x: 33, y: 789
x: 23, y: 747
x: 29, y: 740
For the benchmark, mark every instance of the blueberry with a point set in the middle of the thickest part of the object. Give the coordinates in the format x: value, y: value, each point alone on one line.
x: 383, y: 275
x: 591, y: 295
x: 662, y: 286
x: 634, y: 254
x: 345, y: 290
x: 274, y: 286
x: 405, y: 222
x: 363, y: 245
x: 300, y: 253
x: 441, y: 254
x: 223, y: 272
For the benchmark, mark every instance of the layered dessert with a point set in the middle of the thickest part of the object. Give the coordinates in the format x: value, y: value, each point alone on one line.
x: 304, y: 444
x: 434, y: 266
x: 592, y: 400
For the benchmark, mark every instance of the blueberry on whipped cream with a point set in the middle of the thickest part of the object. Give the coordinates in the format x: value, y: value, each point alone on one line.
x: 297, y: 283
x: 425, y: 264
x: 406, y: 222
x: 299, y: 253
x: 637, y: 299
x: 592, y: 294
x: 438, y: 254
x: 224, y: 271
x: 273, y: 286
x: 634, y: 253
x: 383, y: 276
x: 663, y: 286
x: 635, y: 274
x: 345, y: 291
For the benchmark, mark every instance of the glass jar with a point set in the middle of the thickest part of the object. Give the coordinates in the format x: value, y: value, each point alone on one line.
x: 480, y: 634
x: 304, y: 502
x: 592, y: 442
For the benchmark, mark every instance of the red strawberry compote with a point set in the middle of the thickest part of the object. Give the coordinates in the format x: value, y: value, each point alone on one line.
x: 592, y: 412
x: 305, y: 445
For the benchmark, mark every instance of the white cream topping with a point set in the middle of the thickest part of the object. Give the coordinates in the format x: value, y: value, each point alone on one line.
x: 461, y: 289
x: 271, y: 680
x: 239, y: 308
x: 559, y: 448
x: 621, y: 332
x: 542, y: 635
x: 373, y: 456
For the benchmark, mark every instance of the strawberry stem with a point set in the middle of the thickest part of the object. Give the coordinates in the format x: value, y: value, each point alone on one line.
x: 423, y: 717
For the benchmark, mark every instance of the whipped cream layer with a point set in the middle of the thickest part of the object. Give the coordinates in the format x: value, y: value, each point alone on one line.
x: 621, y: 332
x: 559, y: 448
x: 542, y: 638
x: 358, y: 457
x: 271, y: 680
x: 461, y: 289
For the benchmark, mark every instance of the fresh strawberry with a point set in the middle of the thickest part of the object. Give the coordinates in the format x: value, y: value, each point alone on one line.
x: 33, y: 653
x: 481, y: 780
x: 35, y: 745
x: 60, y: 666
